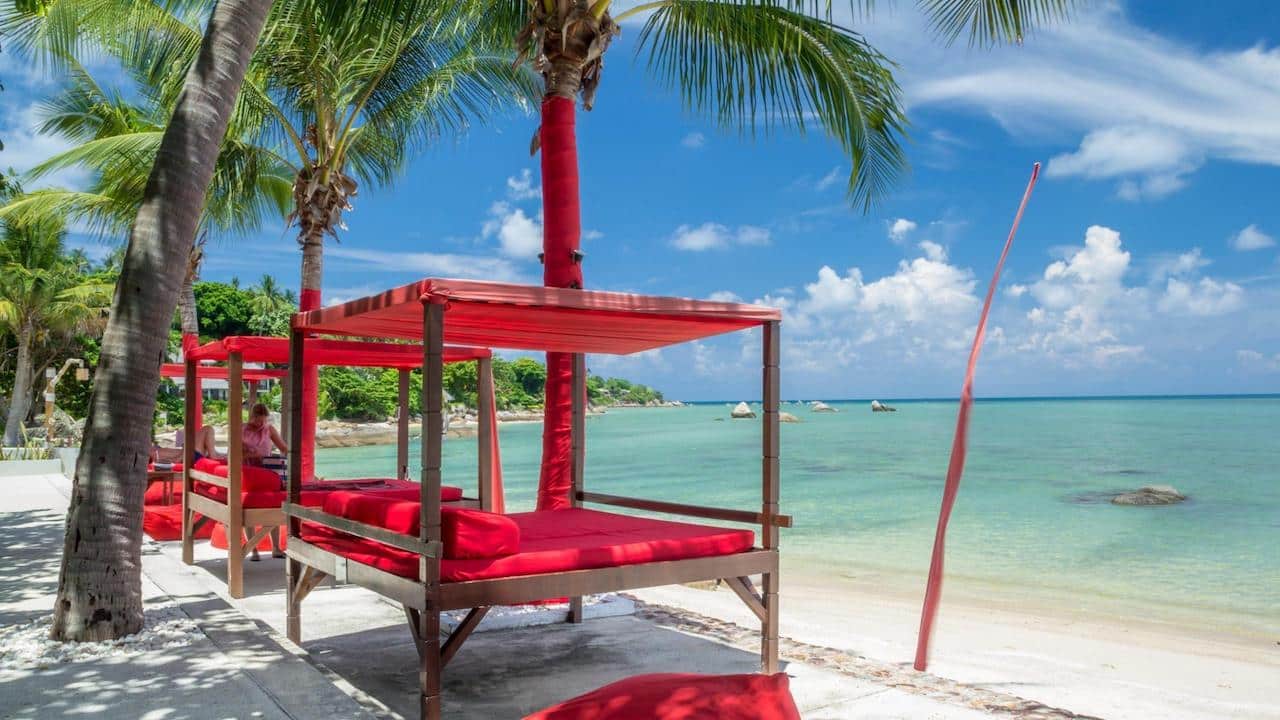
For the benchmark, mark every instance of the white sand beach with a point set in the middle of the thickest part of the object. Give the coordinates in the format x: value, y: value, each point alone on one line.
x: 1085, y: 665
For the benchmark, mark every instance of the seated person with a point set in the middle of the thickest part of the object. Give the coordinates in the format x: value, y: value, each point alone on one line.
x: 257, y: 437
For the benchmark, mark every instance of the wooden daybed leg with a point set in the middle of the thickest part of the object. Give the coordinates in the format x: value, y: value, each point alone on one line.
x: 575, y: 609
x: 769, y: 625
x: 235, y: 460
x: 413, y: 616
x: 295, y: 573
x: 747, y: 592
x: 430, y: 663
x: 189, y: 395
x: 461, y: 633
x: 577, y: 450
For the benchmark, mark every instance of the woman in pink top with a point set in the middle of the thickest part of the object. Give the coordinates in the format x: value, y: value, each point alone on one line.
x: 259, y: 435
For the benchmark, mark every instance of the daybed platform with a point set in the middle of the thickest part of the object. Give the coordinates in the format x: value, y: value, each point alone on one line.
x: 552, y: 541
x: 248, y: 500
x: 430, y: 557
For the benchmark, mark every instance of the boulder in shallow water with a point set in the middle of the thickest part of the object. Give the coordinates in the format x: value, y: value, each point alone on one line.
x: 741, y: 411
x: 877, y: 406
x: 787, y: 417
x: 819, y: 406
x: 1150, y: 495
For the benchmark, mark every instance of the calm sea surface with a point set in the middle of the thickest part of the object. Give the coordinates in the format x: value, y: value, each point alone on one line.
x: 1032, y: 524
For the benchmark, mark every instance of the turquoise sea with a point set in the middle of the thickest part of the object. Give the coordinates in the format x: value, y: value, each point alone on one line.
x: 1032, y: 524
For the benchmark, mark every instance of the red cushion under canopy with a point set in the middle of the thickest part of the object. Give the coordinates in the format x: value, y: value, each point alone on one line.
x: 316, y: 493
x: 556, y: 540
x: 673, y: 696
x: 465, y: 533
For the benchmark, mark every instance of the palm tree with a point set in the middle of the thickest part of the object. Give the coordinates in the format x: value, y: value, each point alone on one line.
x: 116, y: 139
x: 268, y: 297
x: 100, y: 586
x: 43, y: 293
x: 751, y: 64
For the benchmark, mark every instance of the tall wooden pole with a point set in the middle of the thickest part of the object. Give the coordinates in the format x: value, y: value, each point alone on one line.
x: 402, y: 428
x: 293, y: 487
x: 770, y: 481
x: 429, y: 568
x: 235, y: 471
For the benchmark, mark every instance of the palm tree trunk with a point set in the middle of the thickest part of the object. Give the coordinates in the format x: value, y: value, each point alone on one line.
x: 562, y: 267
x: 20, y: 400
x: 190, y: 316
x: 100, y: 583
x: 309, y: 299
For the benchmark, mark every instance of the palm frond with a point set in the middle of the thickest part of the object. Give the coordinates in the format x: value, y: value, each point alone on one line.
x: 990, y: 22
x: 760, y: 64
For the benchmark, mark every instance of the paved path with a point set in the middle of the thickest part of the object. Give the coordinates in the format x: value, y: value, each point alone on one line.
x: 356, y: 659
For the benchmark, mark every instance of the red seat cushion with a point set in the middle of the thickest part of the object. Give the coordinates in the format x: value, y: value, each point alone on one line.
x: 673, y: 696
x: 315, y: 494
x: 252, y: 478
x: 557, y: 540
x: 477, y: 534
x: 395, y: 514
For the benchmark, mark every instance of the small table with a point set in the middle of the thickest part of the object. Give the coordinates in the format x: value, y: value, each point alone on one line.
x: 168, y: 477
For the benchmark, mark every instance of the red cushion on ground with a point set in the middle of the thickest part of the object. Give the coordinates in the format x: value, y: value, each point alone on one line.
x: 676, y: 696
x: 470, y: 534
x: 164, y: 522
x: 556, y: 540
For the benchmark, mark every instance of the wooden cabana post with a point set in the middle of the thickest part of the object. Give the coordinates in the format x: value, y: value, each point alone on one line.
x: 578, y: 450
x: 402, y: 426
x: 429, y: 530
x: 769, y: 481
x: 484, y: 408
x: 190, y: 394
x: 235, y: 473
x: 293, y: 494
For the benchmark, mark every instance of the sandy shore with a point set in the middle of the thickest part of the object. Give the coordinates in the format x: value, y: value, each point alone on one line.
x: 1091, y: 666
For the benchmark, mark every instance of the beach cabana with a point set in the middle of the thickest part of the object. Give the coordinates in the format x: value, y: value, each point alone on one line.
x: 430, y: 558
x: 247, y: 500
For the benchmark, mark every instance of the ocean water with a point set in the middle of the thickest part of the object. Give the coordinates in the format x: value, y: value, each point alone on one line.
x: 1032, y: 525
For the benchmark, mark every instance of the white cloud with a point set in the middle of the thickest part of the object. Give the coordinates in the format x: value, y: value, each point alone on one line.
x: 1251, y: 238
x: 1206, y: 298
x: 519, y: 235
x: 24, y: 148
x: 828, y: 180
x: 425, y: 264
x: 592, y: 235
x: 1254, y: 360
x: 694, y: 140
x: 1144, y: 110
x: 934, y: 251
x: 1016, y: 290
x: 899, y: 229
x: 521, y: 187
x: 1166, y: 266
x: 725, y: 296
x: 714, y: 236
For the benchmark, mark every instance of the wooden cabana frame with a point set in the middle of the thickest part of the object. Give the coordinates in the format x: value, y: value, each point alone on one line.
x: 425, y: 598
x: 247, y: 527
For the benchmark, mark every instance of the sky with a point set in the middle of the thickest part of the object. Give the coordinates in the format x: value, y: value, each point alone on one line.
x: 1147, y: 262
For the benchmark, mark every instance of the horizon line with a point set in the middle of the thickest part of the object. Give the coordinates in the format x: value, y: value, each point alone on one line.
x: 1191, y: 396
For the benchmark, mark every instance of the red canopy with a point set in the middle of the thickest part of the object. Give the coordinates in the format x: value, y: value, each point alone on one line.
x: 529, y: 317
x: 343, y: 353
x: 218, y: 372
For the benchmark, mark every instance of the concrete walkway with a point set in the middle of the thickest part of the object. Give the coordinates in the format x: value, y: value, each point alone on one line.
x: 357, y: 659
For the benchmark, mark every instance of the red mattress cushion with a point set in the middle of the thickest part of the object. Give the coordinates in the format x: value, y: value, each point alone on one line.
x: 557, y: 540
x: 466, y: 533
x: 398, y: 489
x: 252, y: 478
x: 674, y: 696
x: 477, y: 534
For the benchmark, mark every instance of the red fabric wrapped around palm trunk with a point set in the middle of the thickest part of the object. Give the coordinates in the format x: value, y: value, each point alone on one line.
x: 561, y: 232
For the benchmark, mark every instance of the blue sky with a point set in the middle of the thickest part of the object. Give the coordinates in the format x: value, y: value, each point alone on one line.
x: 1147, y: 261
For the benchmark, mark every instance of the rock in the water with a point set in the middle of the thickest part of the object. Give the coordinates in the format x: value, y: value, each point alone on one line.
x: 788, y: 417
x: 819, y: 406
x: 877, y: 406
x: 742, y: 410
x: 1150, y: 495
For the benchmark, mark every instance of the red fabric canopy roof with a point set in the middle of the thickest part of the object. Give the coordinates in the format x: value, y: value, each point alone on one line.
x: 219, y: 372
x: 345, y: 353
x: 529, y: 317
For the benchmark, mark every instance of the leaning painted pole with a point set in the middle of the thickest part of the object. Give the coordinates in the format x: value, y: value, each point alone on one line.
x: 959, y: 445
x: 561, y: 267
